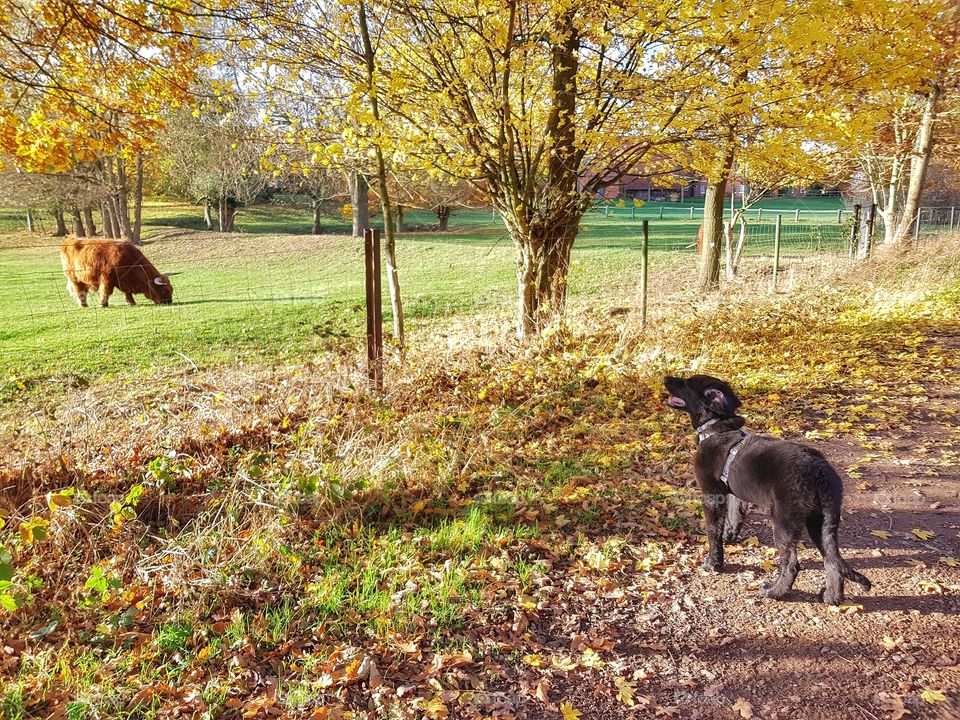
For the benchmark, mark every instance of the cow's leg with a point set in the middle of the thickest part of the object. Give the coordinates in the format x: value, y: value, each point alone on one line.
x: 78, y: 291
x: 128, y: 296
x: 106, y: 289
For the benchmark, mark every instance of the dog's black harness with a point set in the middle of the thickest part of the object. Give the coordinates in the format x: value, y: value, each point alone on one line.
x: 732, y: 453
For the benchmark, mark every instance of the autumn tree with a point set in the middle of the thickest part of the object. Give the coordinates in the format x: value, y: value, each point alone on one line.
x: 86, y: 85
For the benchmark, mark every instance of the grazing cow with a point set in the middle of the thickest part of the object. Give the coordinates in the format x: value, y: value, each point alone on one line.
x: 106, y: 265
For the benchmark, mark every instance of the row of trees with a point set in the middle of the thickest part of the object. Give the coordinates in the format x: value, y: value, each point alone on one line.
x: 530, y: 106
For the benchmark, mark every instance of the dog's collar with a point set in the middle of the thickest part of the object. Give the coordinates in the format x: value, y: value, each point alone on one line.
x: 731, y: 456
x: 702, y: 433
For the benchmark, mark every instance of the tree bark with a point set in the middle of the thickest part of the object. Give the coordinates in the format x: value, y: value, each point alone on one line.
x: 138, y: 201
x: 78, y: 229
x: 443, y: 215
x: 400, y: 217
x: 61, y: 230
x: 709, y: 275
x: 390, y: 246
x: 317, y: 225
x: 88, y: 220
x: 121, y: 202
x: 919, y: 164
x: 226, y: 214
x: 207, y: 213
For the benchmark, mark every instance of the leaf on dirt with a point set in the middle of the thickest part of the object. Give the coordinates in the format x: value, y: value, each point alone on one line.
x: 435, y: 709
x: 893, y: 704
x: 923, y: 534
x: 713, y: 690
x: 418, y: 507
x: 590, y: 659
x: 541, y: 691
x: 929, y: 587
x: 562, y: 662
x: 881, y: 534
x: 625, y: 691
x: 932, y: 696
x: 533, y: 660
x: 847, y: 608
x: 949, y: 561
x: 751, y: 541
x: 890, y: 643
x: 743, y: 707
x: 569, y: 712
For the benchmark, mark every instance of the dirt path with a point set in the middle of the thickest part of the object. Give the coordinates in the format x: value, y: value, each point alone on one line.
x: 709, y: 646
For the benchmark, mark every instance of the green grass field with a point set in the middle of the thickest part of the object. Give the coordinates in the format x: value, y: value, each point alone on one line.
x: 273, y: 292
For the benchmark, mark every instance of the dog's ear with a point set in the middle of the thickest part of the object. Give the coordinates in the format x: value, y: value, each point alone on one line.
x: 719, y: 402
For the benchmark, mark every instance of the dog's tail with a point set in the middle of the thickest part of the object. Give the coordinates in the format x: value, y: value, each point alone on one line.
x: 831, y: 551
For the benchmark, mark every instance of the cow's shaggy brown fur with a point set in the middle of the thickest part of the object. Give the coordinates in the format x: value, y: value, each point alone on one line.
x: 108, y: 265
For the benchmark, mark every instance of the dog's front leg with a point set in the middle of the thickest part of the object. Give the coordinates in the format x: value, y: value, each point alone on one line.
x: 736, y: 512
x: 714, y: 513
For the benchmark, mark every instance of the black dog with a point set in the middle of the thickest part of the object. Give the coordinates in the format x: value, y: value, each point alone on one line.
x: 795, y: 482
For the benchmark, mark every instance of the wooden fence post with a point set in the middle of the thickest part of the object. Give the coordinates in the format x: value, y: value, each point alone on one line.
x: 797, y: 218
x: 371, y: 254
x: 691, y: 212
x: 866, y: 233
x: 643, y: 273
x: 952, y: 209
x: 759, y: 214
x: 776, y: 250
x: 661, y: 212
x: 854, y: 232
x: 839, y: 216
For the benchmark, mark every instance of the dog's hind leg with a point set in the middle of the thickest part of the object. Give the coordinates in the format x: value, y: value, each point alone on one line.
x: 785, y: 537
x: 837, y: 568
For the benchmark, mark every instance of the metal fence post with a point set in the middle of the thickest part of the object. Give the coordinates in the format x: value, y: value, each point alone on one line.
x: 643, y: 273
x: 633, y: 213
x: 371, y: 255
x: 776, y: 250
x: 691, y: 212
x: 854, y: 232
x: 797, y: 218
x: 952, y: 209
x: 839, y: 216
x: 759, y: 214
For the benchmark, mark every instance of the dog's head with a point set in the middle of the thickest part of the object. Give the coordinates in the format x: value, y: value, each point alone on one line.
x: 702, y: 397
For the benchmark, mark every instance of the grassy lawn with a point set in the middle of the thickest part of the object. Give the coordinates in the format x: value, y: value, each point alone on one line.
x: 273, y: 292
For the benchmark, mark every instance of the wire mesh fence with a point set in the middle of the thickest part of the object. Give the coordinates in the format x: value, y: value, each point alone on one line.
x: 246, y: 297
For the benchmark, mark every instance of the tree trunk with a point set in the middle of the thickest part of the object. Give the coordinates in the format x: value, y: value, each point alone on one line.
x: 88, y: 220
x: 226, y: 214
x: 443, y: 215
x: 390, y: 247
x: 709, y: 275
x: 919, y: 163
x: 317, y: 225
x: 400, y: 218
x: 78, y: 229
x: 741, y: 242
x: 138, y: 201
x: 61, y: 230
x: 360, y: 200
x: 728, y: 247
x: 121, y: 202
x: 207, y: 213
x: 543, y: 264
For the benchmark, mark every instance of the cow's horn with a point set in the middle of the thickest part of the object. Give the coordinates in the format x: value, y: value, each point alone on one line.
x: 159, y: 281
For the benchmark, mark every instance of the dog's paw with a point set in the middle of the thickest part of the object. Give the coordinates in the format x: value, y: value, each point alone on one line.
x: 772, y: 590
x: 831, y: 598
x: 710, y: 565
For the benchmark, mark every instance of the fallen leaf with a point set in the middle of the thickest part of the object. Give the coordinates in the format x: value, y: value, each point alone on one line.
x: 949, y: 561
x: 533, y: 660
x: 435, y: 709
x: 846, y: 608
x: 625, y: 691
x: 712, y: 690
x: 542, y: 691
x: 590, y: 659
x: 923, y: 534
x: 744, y: 708
x: 890, y: 643
x: 751, y: 541
x: 569, y: 712
x: 932, y: 696
x: 893, y: 704
x: 881, y: 534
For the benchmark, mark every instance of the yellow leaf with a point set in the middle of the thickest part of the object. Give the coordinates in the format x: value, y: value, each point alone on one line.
x: 533, y: 660
x: 561, y: 662
x: 418, y: 507
x: 949, y: 561
x: 881, y: 534
x: 751, y: 541
x: 434, y: 708
x: 923, y: 534
x: 890, y: 643
x: 932, y: 696
x: 205, y: 652
x: 625, y: 691
x: 591, y: 659
x: 847, y: 608
x: 568, y: 711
